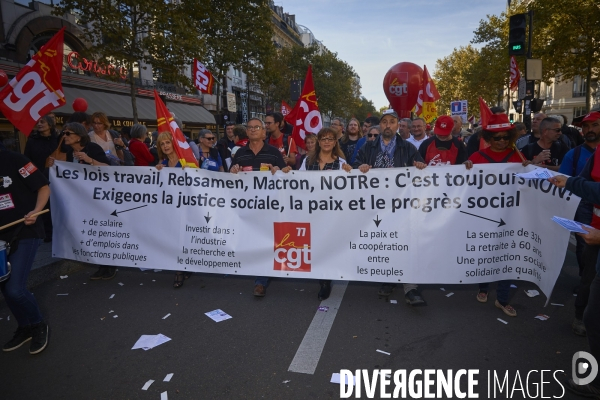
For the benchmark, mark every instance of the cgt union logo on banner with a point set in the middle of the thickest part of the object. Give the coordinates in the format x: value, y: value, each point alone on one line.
x: 292, y: 246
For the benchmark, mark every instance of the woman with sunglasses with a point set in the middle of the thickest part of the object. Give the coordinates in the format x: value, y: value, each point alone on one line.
x: 500, y: 134
x: 210, y: 158
x: 326, y: 156
x: 80, y: 149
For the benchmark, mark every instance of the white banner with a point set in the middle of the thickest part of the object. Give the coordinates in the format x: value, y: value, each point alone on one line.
x: 439, y: 225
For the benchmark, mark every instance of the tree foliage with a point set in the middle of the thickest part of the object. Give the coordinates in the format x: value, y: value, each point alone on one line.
x: 127, y: 33
x: 336, y: 84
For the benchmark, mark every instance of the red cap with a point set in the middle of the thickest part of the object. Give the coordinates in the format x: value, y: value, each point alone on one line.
x: 443, y: 125
x: 593, y: 116
x: 498, y: 123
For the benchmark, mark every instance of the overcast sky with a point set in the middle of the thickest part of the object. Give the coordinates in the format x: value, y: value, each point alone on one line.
x: 372, y: 36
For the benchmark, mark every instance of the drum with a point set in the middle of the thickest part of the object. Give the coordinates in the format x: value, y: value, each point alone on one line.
x: 4, y: 264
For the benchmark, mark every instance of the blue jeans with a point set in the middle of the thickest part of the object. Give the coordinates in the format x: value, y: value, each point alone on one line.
x: 261, y: 280
x: 20, y: 300
x: 501, y: 291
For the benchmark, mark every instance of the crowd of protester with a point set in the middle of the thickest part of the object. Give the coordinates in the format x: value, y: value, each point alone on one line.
x: 389, y: 142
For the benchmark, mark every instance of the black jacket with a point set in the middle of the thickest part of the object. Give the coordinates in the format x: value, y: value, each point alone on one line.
x: 405, y: 153
x: 38, y: 148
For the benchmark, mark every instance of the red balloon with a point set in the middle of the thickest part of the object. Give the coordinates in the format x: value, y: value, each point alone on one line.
x: 401, y: 86
x: 80, y: 105
x: 3, y: 78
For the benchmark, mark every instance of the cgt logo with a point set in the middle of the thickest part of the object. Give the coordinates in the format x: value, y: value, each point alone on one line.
x: 292, y: 246
x: 399, y: 89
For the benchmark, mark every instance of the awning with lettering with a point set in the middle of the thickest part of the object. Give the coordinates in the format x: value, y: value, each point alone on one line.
x: 119, y: 106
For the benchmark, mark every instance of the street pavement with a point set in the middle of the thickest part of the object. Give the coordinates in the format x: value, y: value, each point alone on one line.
x: 248, y: 356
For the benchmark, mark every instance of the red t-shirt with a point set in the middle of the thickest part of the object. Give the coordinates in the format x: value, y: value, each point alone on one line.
x: 498, y: 157
x: 278, y: 143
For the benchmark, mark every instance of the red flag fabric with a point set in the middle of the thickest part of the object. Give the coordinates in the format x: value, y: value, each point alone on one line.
x: 430, y: 96
x: 37, y: 88
x: 515, y: 74
x: 305, y: 117
x: 285, y: 108
x: 485, y: 112
x: 203, y: 79
x: 166, y: 123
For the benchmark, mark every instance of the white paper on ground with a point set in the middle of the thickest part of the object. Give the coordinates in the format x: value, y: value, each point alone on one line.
x: 394, y: 301
x: 111, y: 311
x: 148, y: 342
x: 384, y: 352
x: 121, y: 284
x: 442, y: 289
x: 503, y: 321
x: 513, y: 286
x: 115, y: 316
x: 168, y: 378
x: 163, y: 396
x: 217, y: 315
x: 541, y: 317
x: 166, y: 316
x: 335, y: 378
x: 449, y: 294
x: 532, y: 293
x: 147, y: 384
x: 557, y: 304
x: 288, y: 381
x: 111, y: 296
x: 64, y: 276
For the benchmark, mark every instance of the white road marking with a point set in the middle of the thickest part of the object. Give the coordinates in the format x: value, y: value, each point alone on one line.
x: 307, y: 357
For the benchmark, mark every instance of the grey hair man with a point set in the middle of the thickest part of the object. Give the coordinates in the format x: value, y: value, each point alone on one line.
x: 405, y: 125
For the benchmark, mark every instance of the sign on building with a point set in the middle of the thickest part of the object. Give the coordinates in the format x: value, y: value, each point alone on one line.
x: 231, y: 104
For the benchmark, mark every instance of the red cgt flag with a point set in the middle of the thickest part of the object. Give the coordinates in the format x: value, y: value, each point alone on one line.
x: 515, y: 74
x: 166, y: 123
x: 305, y: 117
x: 37, y: 88
x: 203, y: 79
x: 285, y: 108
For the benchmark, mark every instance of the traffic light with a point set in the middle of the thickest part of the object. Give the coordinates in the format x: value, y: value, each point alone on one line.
x: 517, y: 27
x: 536, y: 105
x: 518, y: 105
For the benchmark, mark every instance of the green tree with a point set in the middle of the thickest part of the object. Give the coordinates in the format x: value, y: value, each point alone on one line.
x: 567, y: 36
x: 336, y: 84
x: 127, y: 33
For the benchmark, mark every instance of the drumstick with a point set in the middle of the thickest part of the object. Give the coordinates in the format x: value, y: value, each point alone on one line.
x: 23, y: 219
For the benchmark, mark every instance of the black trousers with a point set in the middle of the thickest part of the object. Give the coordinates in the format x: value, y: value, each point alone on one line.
x: 590, y: 257
x: 591, y: 319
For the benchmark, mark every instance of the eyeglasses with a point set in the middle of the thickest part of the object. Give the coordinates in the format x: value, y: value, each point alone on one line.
x: 67, y: 133
x: 373, y: 134
x: 554, y: 129
x: 327, y: 139
x: 499, y: 138
x: 254, y: 128
x: 209, y: 138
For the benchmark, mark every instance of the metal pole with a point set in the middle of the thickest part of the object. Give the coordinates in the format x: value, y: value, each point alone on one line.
x: 527, y: 110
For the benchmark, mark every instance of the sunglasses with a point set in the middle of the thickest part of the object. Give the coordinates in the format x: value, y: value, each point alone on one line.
x: 68, y: 133
x: 373, y: 134
x: 499, y: 138
x: 209, y: 138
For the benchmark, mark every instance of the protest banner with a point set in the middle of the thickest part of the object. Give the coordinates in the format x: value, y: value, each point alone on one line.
x: 438, y: 225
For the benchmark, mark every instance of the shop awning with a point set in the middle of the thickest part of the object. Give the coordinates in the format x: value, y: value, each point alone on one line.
x: 119, y: 106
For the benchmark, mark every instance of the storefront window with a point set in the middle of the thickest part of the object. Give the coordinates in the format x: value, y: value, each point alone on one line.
x: 10, y: 141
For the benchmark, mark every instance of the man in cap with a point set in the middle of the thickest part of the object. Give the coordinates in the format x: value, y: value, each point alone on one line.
x: 443, y: 148
x: 390, y: 151
x: 573, y: 164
